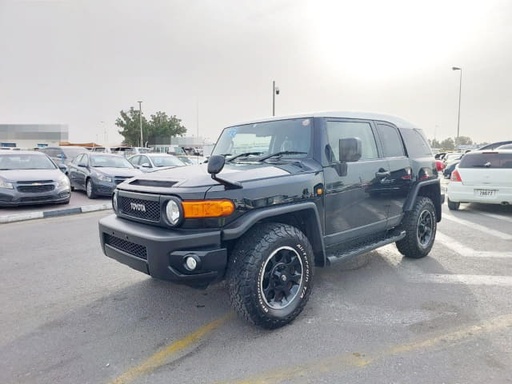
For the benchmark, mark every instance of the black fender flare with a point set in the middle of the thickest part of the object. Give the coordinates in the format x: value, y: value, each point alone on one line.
x: 313, y: 231
x: 437, y: 197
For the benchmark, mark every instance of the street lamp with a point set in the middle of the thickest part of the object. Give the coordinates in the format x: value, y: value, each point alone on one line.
x: 140, y: 123
x: 460, y: 92
x: 275, y: 91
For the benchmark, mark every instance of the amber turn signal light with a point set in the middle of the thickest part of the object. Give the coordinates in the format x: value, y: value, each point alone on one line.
x: 207, y: 208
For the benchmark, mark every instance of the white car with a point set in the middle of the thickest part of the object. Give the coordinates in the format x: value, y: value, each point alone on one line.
x: 481, y: 177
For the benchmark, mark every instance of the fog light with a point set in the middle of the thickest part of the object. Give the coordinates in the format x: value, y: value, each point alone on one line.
x: 192, y: 262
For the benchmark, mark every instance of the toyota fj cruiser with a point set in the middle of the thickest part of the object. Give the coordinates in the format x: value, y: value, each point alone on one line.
x: 277, y: 198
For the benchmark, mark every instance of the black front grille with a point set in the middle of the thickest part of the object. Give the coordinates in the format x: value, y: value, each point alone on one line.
x: 35, y: 188
x: 139, y: 208
x: 126, y: 246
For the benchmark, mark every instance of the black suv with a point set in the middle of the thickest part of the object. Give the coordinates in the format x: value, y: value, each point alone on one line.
x: 276, y: 199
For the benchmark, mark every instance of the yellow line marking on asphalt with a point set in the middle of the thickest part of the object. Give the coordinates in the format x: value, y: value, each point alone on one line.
x: 162, y: 356
x: 361, y: 360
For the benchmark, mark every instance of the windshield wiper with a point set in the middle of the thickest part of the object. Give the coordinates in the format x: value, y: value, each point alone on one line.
x: 281, y: 153
x: 245, y: 154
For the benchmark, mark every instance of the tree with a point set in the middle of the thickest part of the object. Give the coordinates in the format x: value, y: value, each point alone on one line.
x: 130, y: 124
x: 158, y: 130
x: 448, y: 144
x: 163, y: 127
x: 463, y: 140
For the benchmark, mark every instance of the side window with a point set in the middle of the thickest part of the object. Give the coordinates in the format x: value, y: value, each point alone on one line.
x: 391, y: 141
x: 337, y: 130
x: 82, y: 160
x: 77, y: 159
x: 144, y: 160
x: 135, y: 160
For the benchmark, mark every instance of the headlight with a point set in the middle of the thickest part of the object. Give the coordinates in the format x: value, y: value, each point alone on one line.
x: 114, y: 201
x: 5, y: 184
x: 173, y: 212
x: 103, y: 177
x: 63, y: 182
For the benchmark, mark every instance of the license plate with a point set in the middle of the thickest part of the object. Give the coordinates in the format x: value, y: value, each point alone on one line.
x: 486, y: 192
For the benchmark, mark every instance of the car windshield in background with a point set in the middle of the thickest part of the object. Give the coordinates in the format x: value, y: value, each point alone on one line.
x: 110, y: 161
x: 73, y: 152
x: 291, y: 137
x: 10, y: 162
x: 486, y: 160
x: 166, y: 161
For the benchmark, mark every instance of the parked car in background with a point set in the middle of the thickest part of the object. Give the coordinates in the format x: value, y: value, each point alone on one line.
x: 63, y: 154
x: 150, y: 162
x: 482, y: 177
x: 495, y: 145
x: 448, y: 169
x: 99, y: 173
x: 449, y: 157
x: 30, y: 177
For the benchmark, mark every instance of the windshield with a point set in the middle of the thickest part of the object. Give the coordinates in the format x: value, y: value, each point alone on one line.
x: 166, y: 161
x: 110, y: 161
x: 73, y: 152
x: 9, y: 162
x: 292, y: 137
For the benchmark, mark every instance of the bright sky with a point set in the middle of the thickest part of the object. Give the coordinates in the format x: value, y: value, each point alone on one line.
x: 211, y: 63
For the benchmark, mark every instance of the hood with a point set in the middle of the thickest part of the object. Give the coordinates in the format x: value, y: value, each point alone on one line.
x: 112, y: 171
x: 194, y: 176
x: 31, y: 174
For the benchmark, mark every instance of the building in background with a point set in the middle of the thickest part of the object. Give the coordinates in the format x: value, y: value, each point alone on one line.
x: 30, y: 136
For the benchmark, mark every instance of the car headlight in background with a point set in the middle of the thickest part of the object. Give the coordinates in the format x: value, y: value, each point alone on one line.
x: 63, y: 182
x: 114, y: 201
x: 5, y: 184
x: 173, y: 212
x: 102, y: 177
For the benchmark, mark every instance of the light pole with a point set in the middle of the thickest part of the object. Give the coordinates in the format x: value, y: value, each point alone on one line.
x: 140, y: 123
x: 460, y: 92
x: 275, y: 91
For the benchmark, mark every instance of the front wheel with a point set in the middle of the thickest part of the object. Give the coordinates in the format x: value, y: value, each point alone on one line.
x: 270, y: 275
x: 420, y: 226
x: 89, y: 189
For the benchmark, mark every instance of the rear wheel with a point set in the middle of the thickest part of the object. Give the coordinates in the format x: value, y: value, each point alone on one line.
x: 270, y: 275
x: 420, y: 225
x: 453, y: 206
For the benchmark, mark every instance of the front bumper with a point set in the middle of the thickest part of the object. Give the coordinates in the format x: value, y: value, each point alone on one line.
x: 14, y: 198
x: 161, y: 252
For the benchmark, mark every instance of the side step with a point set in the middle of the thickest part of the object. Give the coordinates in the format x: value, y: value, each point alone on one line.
x: 346, y: 254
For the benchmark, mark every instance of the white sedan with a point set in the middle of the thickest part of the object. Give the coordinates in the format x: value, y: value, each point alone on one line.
x: 481, y: 177
x: 149, y: 162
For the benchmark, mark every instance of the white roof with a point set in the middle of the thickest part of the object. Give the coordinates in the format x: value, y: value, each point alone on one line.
x: 399, y: 122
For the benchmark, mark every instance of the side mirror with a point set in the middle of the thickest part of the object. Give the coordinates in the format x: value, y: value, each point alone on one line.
x: 216, y: 164
x: 146, y: 165
x: 350, y: 149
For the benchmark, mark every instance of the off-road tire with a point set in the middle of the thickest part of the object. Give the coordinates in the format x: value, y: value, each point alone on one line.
x: 89, y: 191
x: 420, y: 226
x: 453, y: 206
x: 270, y: 274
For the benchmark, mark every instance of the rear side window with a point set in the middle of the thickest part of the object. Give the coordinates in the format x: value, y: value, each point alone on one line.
x: 416, y: 143
x: 391, y: 141
x: 486, y: 160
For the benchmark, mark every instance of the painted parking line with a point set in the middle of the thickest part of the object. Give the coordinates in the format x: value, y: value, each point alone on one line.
x: 164, y: 355
x: 360, y: 360
x: 464, y: 251
x: 477, y: 227
x: 442, y: 278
